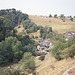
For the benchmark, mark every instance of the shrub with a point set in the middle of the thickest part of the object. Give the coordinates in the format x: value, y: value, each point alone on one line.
x: 42, y: 57
x: 58, y: 57
x: 32, y: 36
x: 38, y: 54
x: 36, y: 37
x: 47, y: 50
x: 19, y: 26
x: 50, y: 15
x: 55, y: 16
x: 71, y: 19
x: 28, y: 31
x: 15, y: 31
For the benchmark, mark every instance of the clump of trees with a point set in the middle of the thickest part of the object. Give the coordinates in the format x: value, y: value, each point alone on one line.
x: 15, y: 16
x: 10, y: 19
x: 44, y: 31
x: 71, y: 51
x: 28, y: 62
x: 63, y: 50
x: 55, y: 16
x: 30, y: 26
x: 50, y: 15
x: 13, y: 47
x: 10, y: 50
x: 71, y: 19
x: 25, y: 40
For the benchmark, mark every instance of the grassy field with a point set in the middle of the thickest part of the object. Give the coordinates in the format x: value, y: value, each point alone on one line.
x: 45, y: 67
x: 56, y: 23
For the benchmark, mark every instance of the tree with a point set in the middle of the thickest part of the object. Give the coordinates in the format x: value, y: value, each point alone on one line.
x: 55, y: 16
x: 42, y: 57
x: 71, y: 19
x: 29, y: 48
x: 28, y: 62
x: 28, y: 31
x: 10, y: 50
x: 71, y: 51
x: 32, y: 36
x: 62, y: 16
x: 73, y: 38
x: 50, y: 15
x: 57, y: 50
x: 11, y: 18
x: 50, y: 29
x: 1, y: 29
x: 25, y: 40
x: 14, y: 32
x: 41, y: 29
x: 45, y: 29
x: 36, y: 37
x: 70, y: 16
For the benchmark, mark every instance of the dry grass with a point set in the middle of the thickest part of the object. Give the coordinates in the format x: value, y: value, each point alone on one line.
x: 44, y: 67
x: 35, y: 34
x: 56, y: 23
x: 72, y: 71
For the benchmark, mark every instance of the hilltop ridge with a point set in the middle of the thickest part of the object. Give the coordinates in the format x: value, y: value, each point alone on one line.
x: 56, y: 23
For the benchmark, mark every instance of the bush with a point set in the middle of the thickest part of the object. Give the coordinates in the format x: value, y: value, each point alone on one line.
x: 42, y: 57
x: 71, y: 51
x: 50, y: 15
x: 36, y: 37
x: 15, y: 30
x: 41, y: 35
x: 47, y: 50
x: 29, y: 62
x: 58, y: 57
x: 28, y: 31
x: 32, y: 36
x: 38, y: 54
x: 71, y: 19
x: 55, y: 16
x: 19, y: 26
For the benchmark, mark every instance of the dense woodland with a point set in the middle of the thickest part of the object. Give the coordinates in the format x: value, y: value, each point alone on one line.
x: 18, y: 48
x: 13, y: 46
